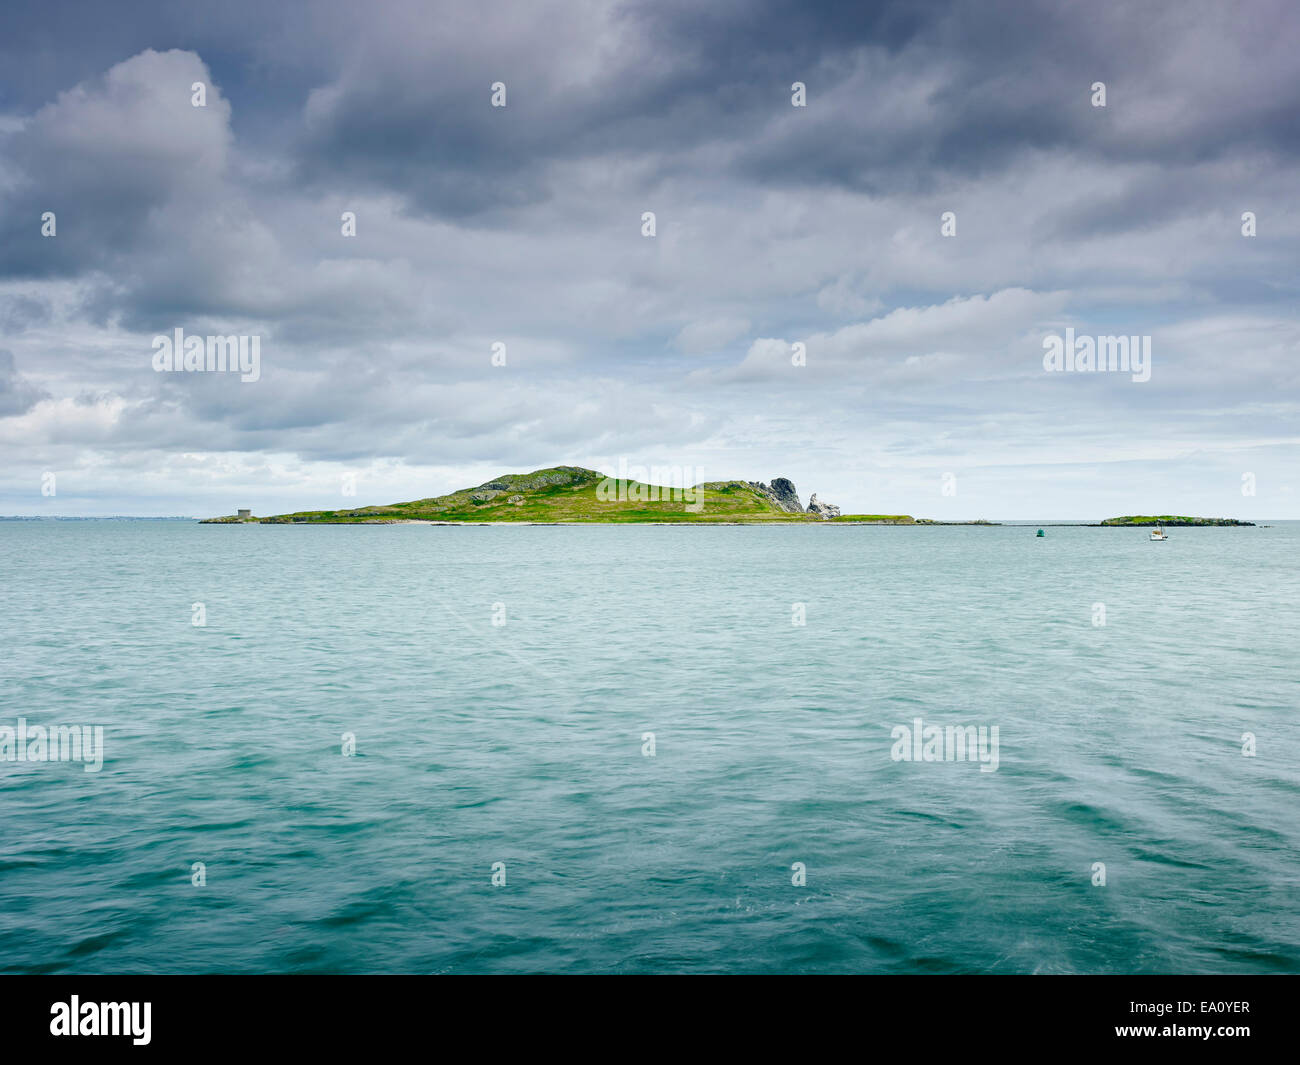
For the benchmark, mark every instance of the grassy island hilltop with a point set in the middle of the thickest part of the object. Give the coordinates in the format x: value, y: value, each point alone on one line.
x: 575, y: 494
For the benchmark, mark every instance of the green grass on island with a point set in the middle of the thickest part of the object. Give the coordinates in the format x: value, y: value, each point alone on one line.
x: 574, y: 494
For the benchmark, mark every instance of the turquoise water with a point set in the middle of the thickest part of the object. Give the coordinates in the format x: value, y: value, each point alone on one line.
x: 522, y: 744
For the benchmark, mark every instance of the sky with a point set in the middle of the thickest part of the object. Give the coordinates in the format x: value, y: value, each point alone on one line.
x: 854, y: 293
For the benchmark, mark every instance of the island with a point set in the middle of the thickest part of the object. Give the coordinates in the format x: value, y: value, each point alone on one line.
x: 575, y: 495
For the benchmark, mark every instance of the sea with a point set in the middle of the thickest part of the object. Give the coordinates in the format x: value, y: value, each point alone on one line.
x: 648, y: 749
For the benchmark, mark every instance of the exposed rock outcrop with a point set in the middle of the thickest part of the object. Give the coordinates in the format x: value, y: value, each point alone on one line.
x: 781, y: 493
x: 529, y: 482
x: 825, y: 511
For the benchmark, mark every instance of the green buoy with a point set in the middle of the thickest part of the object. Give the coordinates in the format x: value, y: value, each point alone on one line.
x: 1040, y: 532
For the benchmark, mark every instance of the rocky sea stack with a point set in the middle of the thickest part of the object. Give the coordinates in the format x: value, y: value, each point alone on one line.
x: 825, y: 511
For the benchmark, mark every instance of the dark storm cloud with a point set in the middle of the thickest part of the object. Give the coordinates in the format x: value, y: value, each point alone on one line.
x: 900, y: 95
x: 582, y: 82
x: 1191, y: 83
x: 111, y: 161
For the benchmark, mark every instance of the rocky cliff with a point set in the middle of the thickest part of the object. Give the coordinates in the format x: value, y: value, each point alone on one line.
x: 780, y: 493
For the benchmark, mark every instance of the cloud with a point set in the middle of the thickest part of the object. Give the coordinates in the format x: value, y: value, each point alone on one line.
x: 703, y: 337
x: 120, y: 161
x: 917, y: 344
x: 521, y: 226
x: 17, y: 395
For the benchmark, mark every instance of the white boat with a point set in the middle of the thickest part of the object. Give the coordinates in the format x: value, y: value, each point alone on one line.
x: 1158, y: 534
